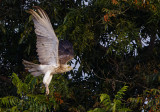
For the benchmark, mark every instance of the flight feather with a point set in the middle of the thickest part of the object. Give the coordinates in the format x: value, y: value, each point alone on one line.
x: 47, y: 42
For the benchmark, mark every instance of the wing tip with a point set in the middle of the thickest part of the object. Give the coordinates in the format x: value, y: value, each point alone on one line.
x: 39, y: 13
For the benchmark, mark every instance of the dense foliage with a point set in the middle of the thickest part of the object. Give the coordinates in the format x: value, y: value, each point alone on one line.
x: 116, y: 65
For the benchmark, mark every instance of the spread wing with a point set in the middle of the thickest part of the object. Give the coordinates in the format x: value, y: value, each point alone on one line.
x: 65, y: 51
x: 47, y: 42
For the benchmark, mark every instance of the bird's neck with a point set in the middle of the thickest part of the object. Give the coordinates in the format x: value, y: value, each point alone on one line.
x: 63, y: 68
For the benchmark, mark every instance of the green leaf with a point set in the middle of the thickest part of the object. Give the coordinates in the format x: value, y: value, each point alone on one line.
x: 104, y: 97
x: 2, y: 28
x: 30, y: 18
x: 124, y: 110
x: 120, y: 93
x: 97, y: 110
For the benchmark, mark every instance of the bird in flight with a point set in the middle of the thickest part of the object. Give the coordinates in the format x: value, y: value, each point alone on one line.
x: 53, y: 54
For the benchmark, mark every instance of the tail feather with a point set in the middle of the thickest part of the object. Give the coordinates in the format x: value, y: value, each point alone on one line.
x: 32, y: 68
x: 36, y: 74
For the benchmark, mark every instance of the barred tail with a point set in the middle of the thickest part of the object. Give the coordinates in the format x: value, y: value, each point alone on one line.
x: 32, y: 68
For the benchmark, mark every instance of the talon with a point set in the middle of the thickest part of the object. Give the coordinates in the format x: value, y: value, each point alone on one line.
x: 47, y: 90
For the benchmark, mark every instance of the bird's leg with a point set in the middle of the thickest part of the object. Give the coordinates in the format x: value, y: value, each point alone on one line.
x: 47, y: 89
x: 46, y: 80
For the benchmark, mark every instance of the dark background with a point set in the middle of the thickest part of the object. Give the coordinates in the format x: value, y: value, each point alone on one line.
x: 116, y: 43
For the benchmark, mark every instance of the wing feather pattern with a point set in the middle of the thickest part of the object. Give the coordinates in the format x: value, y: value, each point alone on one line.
x: 47, y: 42
x: 65, y: 51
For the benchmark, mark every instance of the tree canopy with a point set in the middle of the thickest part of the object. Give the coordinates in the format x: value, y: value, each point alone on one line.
x: 116, y: 64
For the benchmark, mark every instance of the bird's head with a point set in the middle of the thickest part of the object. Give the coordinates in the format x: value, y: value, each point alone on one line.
x: 66, y: 67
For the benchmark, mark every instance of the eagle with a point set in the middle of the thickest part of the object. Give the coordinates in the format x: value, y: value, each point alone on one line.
x: 53, y: 54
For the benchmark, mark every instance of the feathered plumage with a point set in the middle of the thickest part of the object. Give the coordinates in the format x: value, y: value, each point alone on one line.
x: 53, y: 55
